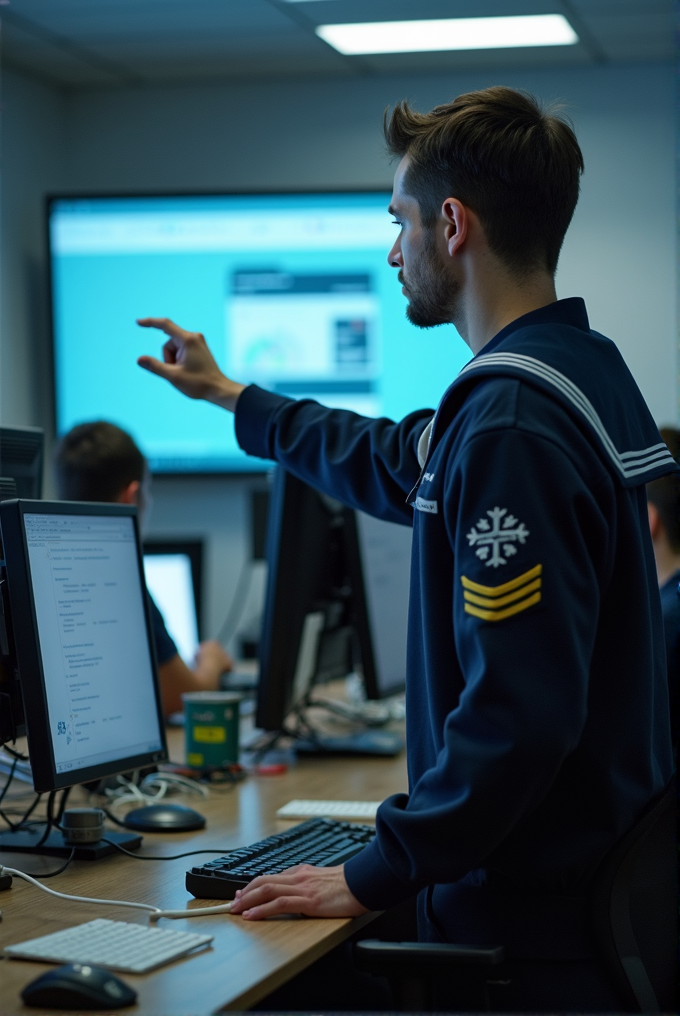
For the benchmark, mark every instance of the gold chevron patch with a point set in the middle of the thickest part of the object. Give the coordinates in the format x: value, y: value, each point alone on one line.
x: 495, y: 603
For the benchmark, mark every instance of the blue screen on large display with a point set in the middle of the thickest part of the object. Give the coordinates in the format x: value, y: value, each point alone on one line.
x: 293, y: 292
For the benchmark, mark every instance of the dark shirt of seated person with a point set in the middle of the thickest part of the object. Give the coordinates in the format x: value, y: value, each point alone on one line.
x: 100, y: 462
x: 663, y: 506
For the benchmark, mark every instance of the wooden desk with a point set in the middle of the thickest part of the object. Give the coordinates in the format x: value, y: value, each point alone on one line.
x: 246, y: 961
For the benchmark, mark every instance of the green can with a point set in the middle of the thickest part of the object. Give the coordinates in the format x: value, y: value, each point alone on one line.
x: 211, y: 721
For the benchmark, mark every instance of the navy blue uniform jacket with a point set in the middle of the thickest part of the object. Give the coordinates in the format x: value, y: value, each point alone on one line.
x: 537, y: 701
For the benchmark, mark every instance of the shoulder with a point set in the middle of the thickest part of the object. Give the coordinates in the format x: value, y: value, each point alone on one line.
x: 508, y: 406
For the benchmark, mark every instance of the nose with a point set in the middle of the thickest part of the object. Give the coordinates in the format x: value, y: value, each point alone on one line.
x: 395, y: 258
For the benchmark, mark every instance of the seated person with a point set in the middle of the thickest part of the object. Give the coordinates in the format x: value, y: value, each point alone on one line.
x: 663, y: 506
x: 100, y: 462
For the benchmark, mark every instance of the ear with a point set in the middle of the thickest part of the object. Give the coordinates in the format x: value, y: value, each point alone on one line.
x: 129, y: 494
x: 654, y: 520
x: 456, y: 218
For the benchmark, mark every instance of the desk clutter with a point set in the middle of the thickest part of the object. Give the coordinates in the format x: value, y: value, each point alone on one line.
x: 238, y: 815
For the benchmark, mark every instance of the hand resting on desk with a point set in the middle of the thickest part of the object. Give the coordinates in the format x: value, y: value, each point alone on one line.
x: 304, y: 889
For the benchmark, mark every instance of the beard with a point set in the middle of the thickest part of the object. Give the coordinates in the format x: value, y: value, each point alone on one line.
x: 433, y: 296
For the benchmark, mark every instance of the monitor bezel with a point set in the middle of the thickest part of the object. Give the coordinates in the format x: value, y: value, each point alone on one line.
x: 54, y: 197
x: 27, y: 647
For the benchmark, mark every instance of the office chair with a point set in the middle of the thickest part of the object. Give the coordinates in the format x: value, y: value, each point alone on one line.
x: 634, y: 910
x: 634, y: 919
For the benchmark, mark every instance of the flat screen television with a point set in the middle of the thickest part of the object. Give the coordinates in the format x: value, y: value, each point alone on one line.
x: 293, y: 292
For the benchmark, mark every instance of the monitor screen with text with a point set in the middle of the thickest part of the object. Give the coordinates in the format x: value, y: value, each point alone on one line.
x: 93, y: 639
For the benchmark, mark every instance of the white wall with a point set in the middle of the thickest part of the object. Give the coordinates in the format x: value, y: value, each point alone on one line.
x: 33, y: 162
x: 619, y: 253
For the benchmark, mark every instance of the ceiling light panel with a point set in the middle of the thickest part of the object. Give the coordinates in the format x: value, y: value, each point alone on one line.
x: 443, y: 34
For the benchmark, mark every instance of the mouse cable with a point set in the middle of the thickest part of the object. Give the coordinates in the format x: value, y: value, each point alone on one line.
x: 170, y: 857
x: 10, y: 777
x: 51, y: 874
x: 18, y: 755
x: 24, y: 818
x: 155, y: 913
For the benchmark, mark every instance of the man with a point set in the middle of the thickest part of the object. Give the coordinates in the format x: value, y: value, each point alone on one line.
x: 537, y: 712
x: 100, y: 462
x: 663, y: 506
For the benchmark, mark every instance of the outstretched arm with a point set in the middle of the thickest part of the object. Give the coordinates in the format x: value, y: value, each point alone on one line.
x: 366, y: 463
x: 189, y: 365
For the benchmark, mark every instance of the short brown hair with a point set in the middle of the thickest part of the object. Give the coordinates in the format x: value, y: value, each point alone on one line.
x: 515, y: 165
x: 664, y: 493
x: 95, y: 462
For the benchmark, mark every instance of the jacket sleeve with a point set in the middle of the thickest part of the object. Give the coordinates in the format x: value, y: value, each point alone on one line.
x: 366, y: 463
x: 530, y: 542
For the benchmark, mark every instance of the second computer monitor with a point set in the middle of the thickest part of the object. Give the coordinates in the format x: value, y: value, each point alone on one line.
x: 173, y: 571
x: 337, y: 599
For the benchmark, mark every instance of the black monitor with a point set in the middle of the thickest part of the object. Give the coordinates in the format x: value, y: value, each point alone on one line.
x: 336, y: 600
x: 83, y: 641
x: 21, y: 462
x: 21, y: 468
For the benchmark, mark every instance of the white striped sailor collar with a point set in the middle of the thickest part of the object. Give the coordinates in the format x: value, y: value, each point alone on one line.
x: 633, y: 466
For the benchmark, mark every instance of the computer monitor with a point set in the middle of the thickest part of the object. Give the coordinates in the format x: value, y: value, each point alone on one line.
x: 173, y: 577
x: 336, y: 599
x: 293, y: 292
x: 21, y: 462
x: 21, y: 468
x: 82, y: 639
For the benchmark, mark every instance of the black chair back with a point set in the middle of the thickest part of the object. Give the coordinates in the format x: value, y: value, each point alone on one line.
x: 635, y: 910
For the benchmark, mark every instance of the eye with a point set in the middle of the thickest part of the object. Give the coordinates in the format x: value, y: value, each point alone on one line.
x: 396, y: 222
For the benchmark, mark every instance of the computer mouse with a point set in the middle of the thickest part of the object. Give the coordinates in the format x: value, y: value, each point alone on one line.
x: 78, y: 986
x: 164, y: 818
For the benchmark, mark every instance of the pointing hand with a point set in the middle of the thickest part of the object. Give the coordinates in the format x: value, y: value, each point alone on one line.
x: 189, y: 365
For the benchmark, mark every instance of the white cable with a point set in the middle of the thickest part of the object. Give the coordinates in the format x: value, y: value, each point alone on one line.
x: 155, y: 912
x: 175, y: 915
x: 77, y: 899
x: 168, y: 780
x: 161, y: 783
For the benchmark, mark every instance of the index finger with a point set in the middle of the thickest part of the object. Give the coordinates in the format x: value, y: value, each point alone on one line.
x: 165, y: 325
x: 289, y: 876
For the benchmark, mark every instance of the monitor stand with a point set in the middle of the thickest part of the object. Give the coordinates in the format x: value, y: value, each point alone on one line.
x: 27, y: 841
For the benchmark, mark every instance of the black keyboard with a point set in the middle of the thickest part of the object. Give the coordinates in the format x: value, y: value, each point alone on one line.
x: 319, y: 841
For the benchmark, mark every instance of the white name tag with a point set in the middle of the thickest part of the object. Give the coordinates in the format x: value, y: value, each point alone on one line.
x: 426, y: 506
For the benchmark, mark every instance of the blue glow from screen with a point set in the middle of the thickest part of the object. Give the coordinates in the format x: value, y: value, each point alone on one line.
x: 292, y: 292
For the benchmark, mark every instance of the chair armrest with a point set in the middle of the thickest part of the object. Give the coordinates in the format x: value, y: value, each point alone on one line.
x: 394, y: 958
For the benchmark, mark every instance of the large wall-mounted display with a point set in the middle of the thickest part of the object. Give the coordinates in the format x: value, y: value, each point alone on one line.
x: 293, y: 292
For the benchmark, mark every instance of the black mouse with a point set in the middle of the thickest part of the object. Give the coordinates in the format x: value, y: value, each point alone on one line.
x: 164, y: 818
x: 78, y: 986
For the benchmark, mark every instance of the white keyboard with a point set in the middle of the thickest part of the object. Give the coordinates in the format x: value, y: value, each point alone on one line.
x: 116, y: 945
x: 329, y: 809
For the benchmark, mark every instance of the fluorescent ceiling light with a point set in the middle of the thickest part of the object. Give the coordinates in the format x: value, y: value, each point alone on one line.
x: 449, y: 34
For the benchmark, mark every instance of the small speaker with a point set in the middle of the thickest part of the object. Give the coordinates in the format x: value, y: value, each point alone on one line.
x: 82, y: 825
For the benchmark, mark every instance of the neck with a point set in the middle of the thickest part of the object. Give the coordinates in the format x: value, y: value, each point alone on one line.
x: 667, y: 561
x: 492, y: 299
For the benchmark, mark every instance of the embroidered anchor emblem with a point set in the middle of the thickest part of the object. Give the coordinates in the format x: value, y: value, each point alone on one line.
x: 497, y: 538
